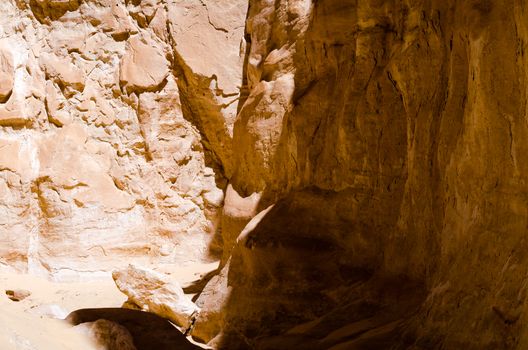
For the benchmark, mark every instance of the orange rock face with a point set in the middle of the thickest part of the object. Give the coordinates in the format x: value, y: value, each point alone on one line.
x: 389, y: 137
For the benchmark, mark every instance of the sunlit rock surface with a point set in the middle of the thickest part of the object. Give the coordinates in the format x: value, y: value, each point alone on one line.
x: 107, y: 149
x: 357, y: 166
x: 156, y: 293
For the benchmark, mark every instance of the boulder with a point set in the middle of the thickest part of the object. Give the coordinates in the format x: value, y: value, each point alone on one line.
x: 107, y: 335
x: 212, y: 301
x: 156, y: 293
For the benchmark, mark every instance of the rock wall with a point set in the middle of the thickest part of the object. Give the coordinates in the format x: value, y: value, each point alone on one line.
x: 386, y: 140
x: 357, y: 165
x: 116, y: 124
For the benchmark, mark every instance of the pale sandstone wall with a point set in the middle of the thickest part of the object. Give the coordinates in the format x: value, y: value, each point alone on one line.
x: 116, y: 123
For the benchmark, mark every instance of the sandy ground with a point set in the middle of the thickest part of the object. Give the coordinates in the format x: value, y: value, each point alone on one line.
x: 32, y: 323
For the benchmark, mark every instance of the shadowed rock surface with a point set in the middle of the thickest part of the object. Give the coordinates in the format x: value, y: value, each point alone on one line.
x: 389, y: 137
x: 148, y: 331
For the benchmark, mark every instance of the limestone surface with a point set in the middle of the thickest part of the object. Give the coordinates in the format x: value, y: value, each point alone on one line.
x: 106, y: 154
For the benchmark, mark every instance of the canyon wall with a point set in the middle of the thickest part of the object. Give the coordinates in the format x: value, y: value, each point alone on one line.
x: 116, y: 122
x: 387, y: 140
x: 356, y: 165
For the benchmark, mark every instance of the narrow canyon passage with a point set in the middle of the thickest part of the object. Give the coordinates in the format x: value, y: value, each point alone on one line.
x: 256, y: 174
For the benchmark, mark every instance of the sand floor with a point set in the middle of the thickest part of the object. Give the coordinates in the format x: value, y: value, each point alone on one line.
x: 32, y: 323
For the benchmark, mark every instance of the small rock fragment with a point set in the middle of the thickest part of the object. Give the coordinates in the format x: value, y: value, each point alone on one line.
x: 17, y: 294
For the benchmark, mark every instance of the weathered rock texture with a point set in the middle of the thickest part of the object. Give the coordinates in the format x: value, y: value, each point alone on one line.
x: 370, y: 153
x: 390, y: 137
x: 156, y: 293
x: 116, y: 125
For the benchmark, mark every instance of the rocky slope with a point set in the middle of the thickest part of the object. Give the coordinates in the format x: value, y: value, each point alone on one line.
x: 357, y: 165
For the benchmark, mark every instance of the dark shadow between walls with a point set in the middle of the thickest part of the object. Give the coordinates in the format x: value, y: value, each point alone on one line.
x: 309, y: 268
x: 314, y: 264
